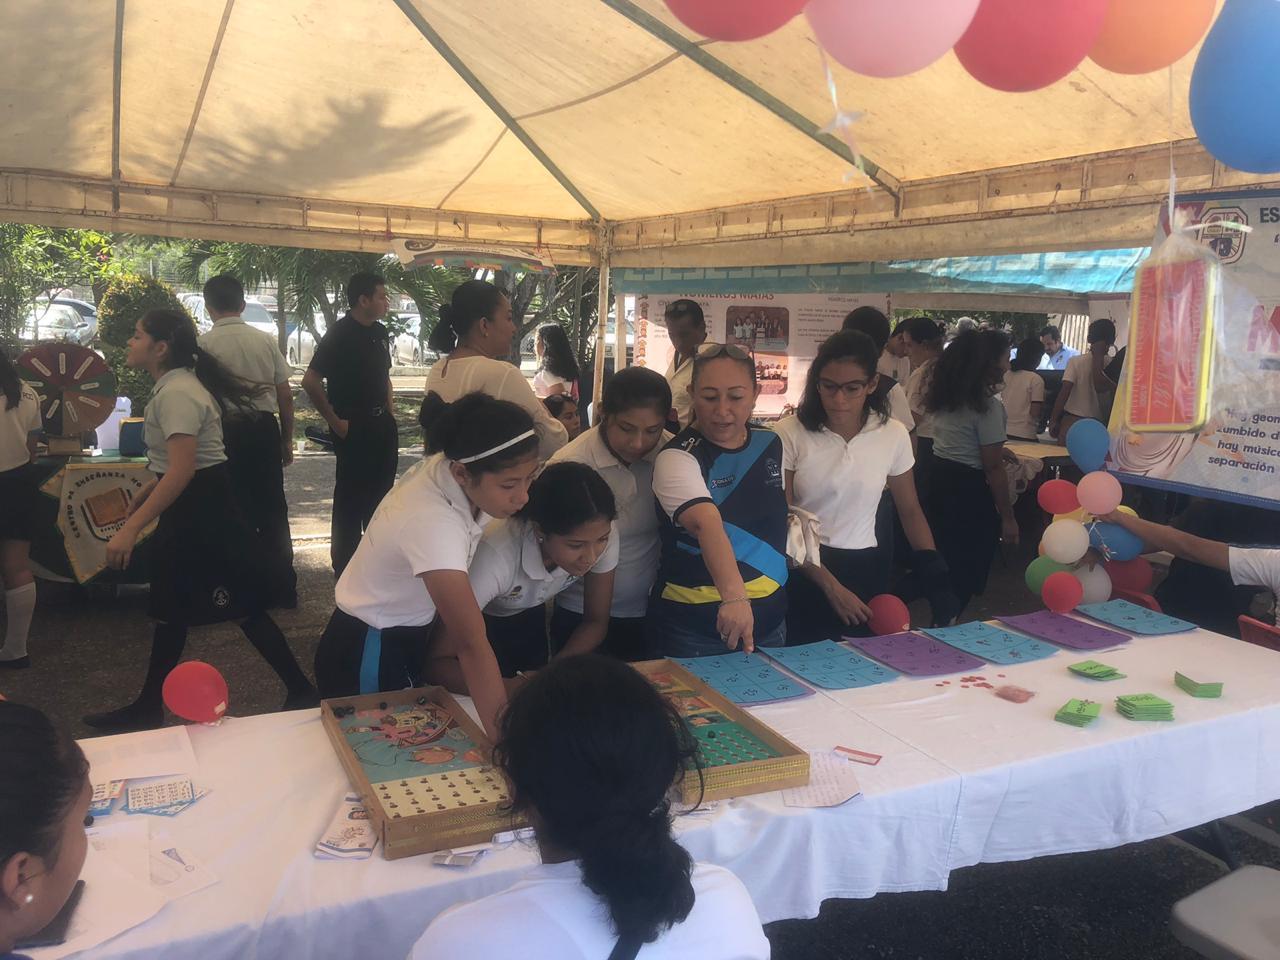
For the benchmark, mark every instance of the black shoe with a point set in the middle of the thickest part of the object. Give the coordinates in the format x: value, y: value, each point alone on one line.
x: 17, y: 663
x: 302, y: 700
x: 126, y: 719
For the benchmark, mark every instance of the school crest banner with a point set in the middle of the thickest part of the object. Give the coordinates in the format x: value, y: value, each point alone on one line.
x: 93, y: 504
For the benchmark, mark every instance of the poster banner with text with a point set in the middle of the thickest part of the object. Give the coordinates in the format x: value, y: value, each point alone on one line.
x: 782, y: 332
x: 1236, y: 455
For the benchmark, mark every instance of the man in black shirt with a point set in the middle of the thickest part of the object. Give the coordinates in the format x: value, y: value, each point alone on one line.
x: 350, y: 384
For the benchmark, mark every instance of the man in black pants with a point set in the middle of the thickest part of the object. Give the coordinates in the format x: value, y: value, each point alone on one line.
x: 258, y: 445
x: 349, y: 382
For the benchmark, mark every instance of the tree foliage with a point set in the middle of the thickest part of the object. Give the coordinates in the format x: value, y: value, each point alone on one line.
x: 125, y: 300
x: 40, y: 261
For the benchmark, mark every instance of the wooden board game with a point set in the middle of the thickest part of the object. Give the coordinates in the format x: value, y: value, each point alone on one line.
x: 741, y: 755
x: 421, y: 767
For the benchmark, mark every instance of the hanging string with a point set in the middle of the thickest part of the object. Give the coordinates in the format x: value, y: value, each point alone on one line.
x: 841, y: 125
x: 1173, y: 176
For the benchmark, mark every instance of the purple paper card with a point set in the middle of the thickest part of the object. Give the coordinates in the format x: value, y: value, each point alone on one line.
x: 1065, y: 631
x: 916, y: 655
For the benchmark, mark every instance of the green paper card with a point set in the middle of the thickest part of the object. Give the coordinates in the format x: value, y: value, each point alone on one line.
x: 1095, y: 670
x: 1187, y: 685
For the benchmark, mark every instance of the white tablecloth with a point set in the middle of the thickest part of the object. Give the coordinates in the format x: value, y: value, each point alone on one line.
x: 966, y: 777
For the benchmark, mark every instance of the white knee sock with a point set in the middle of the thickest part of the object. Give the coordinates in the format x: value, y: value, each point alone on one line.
x: 20, y: 604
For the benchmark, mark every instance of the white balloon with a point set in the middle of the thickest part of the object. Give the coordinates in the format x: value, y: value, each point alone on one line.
x: 1096, y: 582
x: 1065, y: 541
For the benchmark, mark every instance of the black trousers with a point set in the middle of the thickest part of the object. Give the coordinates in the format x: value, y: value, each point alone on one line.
x: 355, y: 658
x: 810, y: 617
x: 520, y: 640
x: 966, y: 525
x: 366, y: 469
x: 257, y: 482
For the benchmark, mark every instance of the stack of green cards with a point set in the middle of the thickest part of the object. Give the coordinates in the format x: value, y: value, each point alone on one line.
x: 1078, y: 713
x: 1144, y: 706
x: 1197, y: 689
x: 1095, y: 670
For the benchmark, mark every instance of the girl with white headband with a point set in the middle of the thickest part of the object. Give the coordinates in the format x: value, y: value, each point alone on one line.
x: 410, y: 569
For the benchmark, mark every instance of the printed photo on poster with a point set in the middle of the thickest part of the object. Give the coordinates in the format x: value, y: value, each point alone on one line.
x: 759, y: 329
x: 771, y: 374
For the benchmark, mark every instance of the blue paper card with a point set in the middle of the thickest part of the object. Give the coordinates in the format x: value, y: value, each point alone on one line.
x: 830, y: 665
x: 745, y: 678
x: 992, y: 644
x: 1134, y: 618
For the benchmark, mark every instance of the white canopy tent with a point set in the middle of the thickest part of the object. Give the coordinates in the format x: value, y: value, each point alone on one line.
x: 585, y: 129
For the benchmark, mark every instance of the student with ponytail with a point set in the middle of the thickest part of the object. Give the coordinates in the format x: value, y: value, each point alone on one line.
x: 613, y: 882
x: 475, y: 330
x: 19, y: 492
x: 410, y: 569
x: 206, y: 565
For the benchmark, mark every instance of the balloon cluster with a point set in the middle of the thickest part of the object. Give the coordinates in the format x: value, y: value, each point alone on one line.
x: 1021, y: 45
x: 1082, y: 559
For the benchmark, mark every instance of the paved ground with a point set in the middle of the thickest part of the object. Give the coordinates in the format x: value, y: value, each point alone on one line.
x: 90, y: 652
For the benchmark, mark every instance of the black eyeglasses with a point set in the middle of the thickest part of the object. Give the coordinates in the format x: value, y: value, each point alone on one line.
x: 709, y: 351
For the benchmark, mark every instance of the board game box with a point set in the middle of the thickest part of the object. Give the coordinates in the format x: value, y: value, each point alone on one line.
x: 421, y: 767
x: 740, y: 755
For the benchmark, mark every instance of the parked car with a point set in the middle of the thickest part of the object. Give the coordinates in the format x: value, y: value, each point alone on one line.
x: 406, y: 348
x: 86, y: 310
x: 57, y: 321
x: 301, y: 345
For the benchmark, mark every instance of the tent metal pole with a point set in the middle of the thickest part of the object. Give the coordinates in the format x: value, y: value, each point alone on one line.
x: 602, y: 318
x: 117, y: 69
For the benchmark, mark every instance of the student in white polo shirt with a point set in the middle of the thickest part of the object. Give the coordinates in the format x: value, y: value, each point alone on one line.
x: 839, y: 452
x: 410, y: 568
x: 19, y: 493
x: 206, y: 566
x: 622, y: 449
x: 1248, y: 566
x: 591, y: 751
x: 564, y: 535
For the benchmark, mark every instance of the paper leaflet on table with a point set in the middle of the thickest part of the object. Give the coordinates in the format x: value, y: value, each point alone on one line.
x: 151, y: 855
x: 148, y: 753
x: 350, y: 834
x: 833, y: 780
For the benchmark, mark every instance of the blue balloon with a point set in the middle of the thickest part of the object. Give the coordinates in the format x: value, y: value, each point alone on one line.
x: 1235, y: 87
x: 1114, y: 542
x: 1088, y: 443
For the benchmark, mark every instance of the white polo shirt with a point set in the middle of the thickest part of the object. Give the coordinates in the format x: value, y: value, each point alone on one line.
x: 507, y: 572
x: 424, y: 523
x: 454, y: 379
x: 1256, y: 567
x: 251, y: 355
x: 1084, y: 400
x: 639, y: 547
x: 842, y: 481
x: 680, y: 377
x: 21, y: 421
x: 917, y: 385
x: 549, y: 914
x: 1022, y: 388
x: 180, y: 404
x: 897, y: 367
x: 900, y: 408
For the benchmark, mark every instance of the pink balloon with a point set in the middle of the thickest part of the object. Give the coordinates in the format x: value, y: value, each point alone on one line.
x: 734, y: 19
x: 1099, y: 492
x: 889, y: 38
x: 1020, y: 45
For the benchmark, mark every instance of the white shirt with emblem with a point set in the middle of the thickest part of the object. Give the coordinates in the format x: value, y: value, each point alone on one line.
x: 508, y: 574
x: 180, y: 404
x: 425, y: 523
x: 841, y: 481
x: 19, y: 422
x: 639, y: 547
x: 251, y: 355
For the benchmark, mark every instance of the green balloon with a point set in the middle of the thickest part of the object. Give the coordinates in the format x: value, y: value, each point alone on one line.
x: 1038, y: 572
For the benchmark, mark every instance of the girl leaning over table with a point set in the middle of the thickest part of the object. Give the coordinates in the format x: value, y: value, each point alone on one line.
x: 970, y: 506
x: 839, y: 452
x: 206, y: 566
x: 563, y: 535
x: 19, y: 493
x: 410, y: 569
x: 44, y: 808
x: 613, y: 882
x: 622, y: 449
x: 723, y: 519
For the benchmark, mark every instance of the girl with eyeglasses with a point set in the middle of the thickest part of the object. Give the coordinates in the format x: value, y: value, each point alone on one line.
x: 840, y: 450
x: 723, y: 517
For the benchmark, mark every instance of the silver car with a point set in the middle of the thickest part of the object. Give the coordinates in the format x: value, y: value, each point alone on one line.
x: 57, y: 321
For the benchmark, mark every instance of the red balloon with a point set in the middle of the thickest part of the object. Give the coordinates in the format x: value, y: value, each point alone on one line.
x: 1135, y: 574
x: 1058, y: 496
x: 888, y: 615
x: 735, y: 19
x: 1061, y: 592
x: 196, y: 691
x: 1017, y: 45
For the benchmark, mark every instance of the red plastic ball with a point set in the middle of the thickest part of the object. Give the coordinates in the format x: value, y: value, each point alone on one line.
x: 888, y: 615
x: 196, y: 691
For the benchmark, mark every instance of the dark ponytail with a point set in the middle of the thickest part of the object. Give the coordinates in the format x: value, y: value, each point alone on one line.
x: 10, y: 382
x: 42, y: 772
x: 566, y: 495
x: 472, y: 301
x: 601, y: 794
x: 475, y: 423
x: 179, y: 332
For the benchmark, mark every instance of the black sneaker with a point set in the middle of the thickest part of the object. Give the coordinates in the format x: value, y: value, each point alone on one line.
x: 126, y: 719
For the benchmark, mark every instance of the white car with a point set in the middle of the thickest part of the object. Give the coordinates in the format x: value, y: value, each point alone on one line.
x: 301, y: 345
x: 405, y: 348
x: 56, y: 321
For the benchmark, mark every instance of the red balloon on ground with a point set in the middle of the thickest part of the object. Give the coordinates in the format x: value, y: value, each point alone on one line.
x: 735, y: 19
x: 1058, y: 496
x: 1135, y: 574
x: 1061, y: 592
x: 888, y: 615
x: 1016, y: 45
x: 196, y: 691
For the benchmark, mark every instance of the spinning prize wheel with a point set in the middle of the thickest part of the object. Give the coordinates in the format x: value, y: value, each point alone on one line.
x: 77, y: 391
